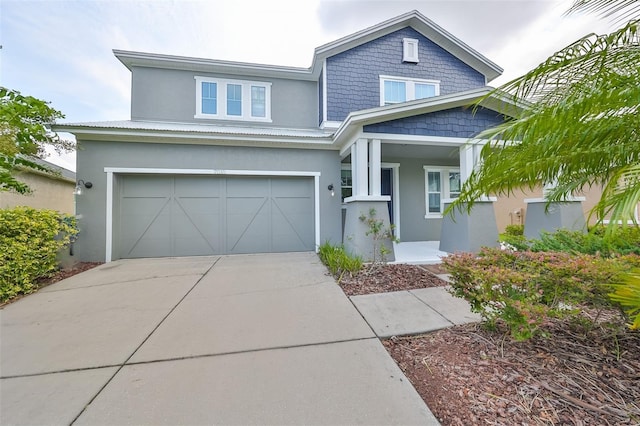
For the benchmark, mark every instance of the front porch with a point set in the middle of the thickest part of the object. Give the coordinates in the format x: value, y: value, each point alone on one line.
x: 418, y: 252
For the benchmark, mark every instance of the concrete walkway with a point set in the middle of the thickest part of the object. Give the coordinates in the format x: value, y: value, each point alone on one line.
x: 255, y: 339
x: 402, y: 313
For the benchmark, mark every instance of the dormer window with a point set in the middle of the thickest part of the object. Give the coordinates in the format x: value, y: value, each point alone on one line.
x: 232, y: 99
x: 410, y: 50
x: 394, y: 90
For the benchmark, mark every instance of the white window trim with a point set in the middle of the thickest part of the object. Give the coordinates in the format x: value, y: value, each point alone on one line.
x: 444, y: 191
x: 410, y: 45
x: 409, y: 84
x: 222, y: 99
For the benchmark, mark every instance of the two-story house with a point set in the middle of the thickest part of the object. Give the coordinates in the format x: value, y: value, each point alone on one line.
x: 225, y: 157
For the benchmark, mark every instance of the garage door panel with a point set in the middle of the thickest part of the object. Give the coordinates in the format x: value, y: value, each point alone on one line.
x: 202, y: 215
x: 196, y: 226
x: 240, y: 187
x: 198, y: 186
x: 290, y: 224
x: 145, y: 224
x: 248, y: 225
x: 141, y: 186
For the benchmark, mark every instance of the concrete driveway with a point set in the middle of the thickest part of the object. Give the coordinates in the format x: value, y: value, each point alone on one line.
x: 251, y: 339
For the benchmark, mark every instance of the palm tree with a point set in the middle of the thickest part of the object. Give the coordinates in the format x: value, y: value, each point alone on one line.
x: 580, y: 127
x: 581, y: 124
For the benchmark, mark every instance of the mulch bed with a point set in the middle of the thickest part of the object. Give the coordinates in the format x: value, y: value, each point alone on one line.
x: 386, y: 278
x: 469, y: 375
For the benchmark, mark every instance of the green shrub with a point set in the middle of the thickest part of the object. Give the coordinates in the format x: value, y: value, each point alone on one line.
x: 514, y: 230
x: 338, y: 261
x: 628, y: 296
x: 525, y: 289
x: 625, y: 241
x: 29, y: 242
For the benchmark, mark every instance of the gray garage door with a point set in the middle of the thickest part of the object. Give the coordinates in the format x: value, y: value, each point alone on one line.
x: 202, y: 215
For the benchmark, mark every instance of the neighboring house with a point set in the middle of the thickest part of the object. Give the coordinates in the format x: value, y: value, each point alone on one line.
x: 52, y: 191
x: 226, y: 157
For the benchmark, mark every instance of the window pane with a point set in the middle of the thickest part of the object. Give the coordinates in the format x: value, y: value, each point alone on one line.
x: 346, y: 178
x: 234, y: 99
x: 425, y: 90
x: 454, y: 182
x: 434, y: 181
x: 346, y: 192
x: 434, y: 203
x: 209, y: 98
x: 258, y: 101
x: 394, y: 92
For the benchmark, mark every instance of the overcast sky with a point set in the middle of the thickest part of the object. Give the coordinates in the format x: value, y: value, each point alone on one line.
x: 61, y: 50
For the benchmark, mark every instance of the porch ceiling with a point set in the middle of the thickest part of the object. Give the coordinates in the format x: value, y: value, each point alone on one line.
x: 440, y: 153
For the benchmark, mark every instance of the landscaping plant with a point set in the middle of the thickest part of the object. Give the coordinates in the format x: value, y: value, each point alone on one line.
x: 338, y: 261
x: 379, y: 233
x: 526, y: 289
x: 628, y: 295
x: 29, y: 242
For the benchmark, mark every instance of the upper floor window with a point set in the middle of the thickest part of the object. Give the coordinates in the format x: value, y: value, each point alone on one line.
x: 410, y: 50
x: 394, y: 90
x: 440, y: 184
x: 232, y: 99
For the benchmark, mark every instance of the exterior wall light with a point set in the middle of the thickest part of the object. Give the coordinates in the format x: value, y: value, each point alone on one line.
x: 79, y: 185
x: 330, y: 188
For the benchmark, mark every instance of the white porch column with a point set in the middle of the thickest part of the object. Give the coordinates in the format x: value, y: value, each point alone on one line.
x: 359, y: 172
x: 469, y: 160
x: 375, y: 154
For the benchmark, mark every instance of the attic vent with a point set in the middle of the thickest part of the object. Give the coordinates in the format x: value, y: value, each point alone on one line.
x: 410, y: 50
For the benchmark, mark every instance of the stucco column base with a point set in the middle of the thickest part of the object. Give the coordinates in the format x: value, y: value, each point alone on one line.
x: 559, y: 215
x: 464, y: 231
x: 355, y: 239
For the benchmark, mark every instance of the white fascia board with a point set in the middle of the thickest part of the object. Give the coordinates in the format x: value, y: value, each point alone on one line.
x: 416, y: 107
x: 330, y: 125
x: 423, y: 25
x: 200, y: 138
x: 131, y: 59
x: 407, y: 109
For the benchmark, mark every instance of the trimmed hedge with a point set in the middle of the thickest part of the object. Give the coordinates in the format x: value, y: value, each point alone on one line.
x: 525, y: 289
x: 29, y: 242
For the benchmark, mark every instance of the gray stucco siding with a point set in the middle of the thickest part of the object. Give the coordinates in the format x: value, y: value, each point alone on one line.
x: 170, y: 95
x: 413, y: 225
x: 353, y: 76
x: 456, y: 122
x: 93, y: 157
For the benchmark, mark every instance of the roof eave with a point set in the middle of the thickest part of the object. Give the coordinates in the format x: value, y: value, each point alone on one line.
x: 498, y: 102
x: 420, y: 23
x: 160, y: 136
x: 131, y: 59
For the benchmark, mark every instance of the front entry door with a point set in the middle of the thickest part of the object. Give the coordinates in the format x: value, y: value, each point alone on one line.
x: 386, y: 177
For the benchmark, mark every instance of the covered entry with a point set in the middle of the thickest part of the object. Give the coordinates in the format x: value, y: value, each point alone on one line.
x: 158, y: 215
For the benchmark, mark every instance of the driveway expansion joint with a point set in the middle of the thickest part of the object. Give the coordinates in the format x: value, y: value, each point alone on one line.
x: 248, y: 351
x: 144, y: 341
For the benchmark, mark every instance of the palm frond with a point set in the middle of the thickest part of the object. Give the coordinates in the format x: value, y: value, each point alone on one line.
x: 582, y: 128
x: 620, y: 9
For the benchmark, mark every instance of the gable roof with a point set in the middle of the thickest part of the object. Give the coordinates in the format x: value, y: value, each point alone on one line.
x: 424, y: 26
x: 487, y: 98
x: 413, y: 19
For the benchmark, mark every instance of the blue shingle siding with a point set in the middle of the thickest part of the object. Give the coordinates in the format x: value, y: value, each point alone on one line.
x: 456, y: 122
x: 353, y: 81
